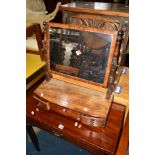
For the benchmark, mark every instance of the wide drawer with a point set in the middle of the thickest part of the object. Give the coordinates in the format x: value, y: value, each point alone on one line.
x: 80, y: 117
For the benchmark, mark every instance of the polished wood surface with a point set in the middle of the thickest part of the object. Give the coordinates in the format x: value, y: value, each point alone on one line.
x: 123, y: 97
x: 77, y: 101
x: 113, y: 9
x: 124, y: 140
x: 97, y: 140
x: 74, y: 97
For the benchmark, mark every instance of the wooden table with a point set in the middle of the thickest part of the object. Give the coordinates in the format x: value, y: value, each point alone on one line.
x: 97, y: 140
x: 102, y: 8
x: 123, y: 97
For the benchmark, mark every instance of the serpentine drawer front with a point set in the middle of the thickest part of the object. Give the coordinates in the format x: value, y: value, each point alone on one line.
x: 82, y: 104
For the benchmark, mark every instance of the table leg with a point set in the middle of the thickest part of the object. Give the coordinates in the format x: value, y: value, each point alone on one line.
x: 33, y: 137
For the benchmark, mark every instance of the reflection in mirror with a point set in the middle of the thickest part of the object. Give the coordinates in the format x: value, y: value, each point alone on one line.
x: 79, y: 53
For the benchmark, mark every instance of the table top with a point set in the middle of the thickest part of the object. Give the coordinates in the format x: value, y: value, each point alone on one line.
x: 123, y: 97
x: 89, y: 137
x: 113, y: 9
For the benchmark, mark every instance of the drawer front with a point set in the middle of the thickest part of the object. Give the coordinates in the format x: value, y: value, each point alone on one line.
x: 66, y: 112
x: 92, y: 121
x: 85, y: 119
x: 61, y: 110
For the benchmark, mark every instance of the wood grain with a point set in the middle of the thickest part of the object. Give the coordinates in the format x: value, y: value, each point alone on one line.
x: 95, y: 14
x: 97, y: 140
x: 123, y: 97
x: 124, y: 140
x: 112, y: 9
x: 88, y: 29
x: 75, y: 98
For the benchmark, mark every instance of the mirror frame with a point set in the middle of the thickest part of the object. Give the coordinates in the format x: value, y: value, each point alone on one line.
x: 88, y: 29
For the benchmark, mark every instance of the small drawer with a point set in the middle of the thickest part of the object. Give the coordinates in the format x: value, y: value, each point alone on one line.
x: 66, y: 112
x: 92, y: 121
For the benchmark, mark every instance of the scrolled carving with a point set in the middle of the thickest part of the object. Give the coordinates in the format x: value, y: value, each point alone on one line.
x: 105, y: 24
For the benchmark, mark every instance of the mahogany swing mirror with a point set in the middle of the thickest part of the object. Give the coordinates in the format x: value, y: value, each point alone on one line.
x: 80, y: 53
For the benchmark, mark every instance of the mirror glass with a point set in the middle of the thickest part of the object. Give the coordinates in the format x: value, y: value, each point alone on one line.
x: 79, y: 53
